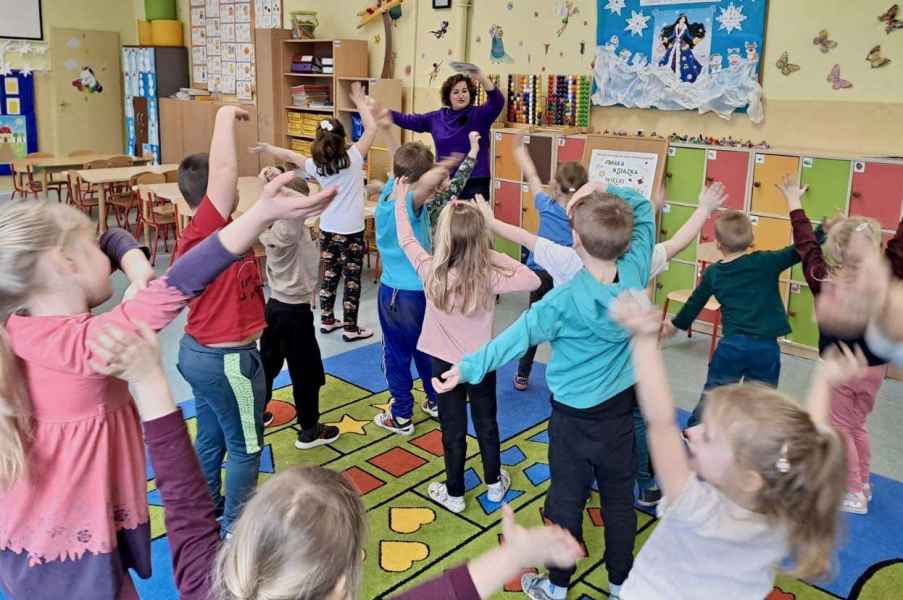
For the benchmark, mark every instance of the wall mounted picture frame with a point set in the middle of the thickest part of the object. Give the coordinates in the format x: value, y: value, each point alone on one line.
x: 442, y: 3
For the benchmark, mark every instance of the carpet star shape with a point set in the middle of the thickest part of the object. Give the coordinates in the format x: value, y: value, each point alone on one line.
x: 731, y: 18
x: 351, y: 425
x: 637, y: 23
x: 383, y: 407
x: 615, y: 6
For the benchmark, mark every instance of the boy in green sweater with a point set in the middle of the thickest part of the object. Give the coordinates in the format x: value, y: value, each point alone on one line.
x: 753, y: 316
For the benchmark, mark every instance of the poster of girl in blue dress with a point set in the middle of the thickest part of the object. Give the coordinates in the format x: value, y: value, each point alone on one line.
x: 680, y: 55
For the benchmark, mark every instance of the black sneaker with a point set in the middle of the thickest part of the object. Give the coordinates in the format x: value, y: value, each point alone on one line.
x: 267, y: 418
x: 318, y: 436
x: 650, y: 497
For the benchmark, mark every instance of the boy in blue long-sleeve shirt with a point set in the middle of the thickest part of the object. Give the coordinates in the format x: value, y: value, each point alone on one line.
x: 590, y: 375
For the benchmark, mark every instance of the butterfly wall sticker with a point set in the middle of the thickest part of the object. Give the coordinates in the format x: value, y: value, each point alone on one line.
x: 784, y: 64
x: 835, y: 80
x: 876, y: 58
x: 824, y: 44
x: 890, y: 20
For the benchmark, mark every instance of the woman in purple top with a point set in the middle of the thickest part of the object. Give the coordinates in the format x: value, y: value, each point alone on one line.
x: 451, y: 125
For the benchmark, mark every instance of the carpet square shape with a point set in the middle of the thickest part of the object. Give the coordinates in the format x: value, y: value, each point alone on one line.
x: 512, y: 456
x: 430, y: 442
x: 537, y: 473
x: 362, y: 480
x: 397, y: 462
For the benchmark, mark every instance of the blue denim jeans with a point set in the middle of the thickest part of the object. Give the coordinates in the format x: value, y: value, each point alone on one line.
x: 401, y: 319
x: 229, y: 389
x: 740, y: 357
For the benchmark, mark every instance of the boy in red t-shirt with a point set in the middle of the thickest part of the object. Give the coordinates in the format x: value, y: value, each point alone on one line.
x: 218, y: 354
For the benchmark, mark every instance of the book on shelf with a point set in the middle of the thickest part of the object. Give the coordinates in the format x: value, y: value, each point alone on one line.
x: 306, y: 63
x: 311, y: 95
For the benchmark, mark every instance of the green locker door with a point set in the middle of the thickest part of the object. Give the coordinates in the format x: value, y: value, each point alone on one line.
x: 796, y: 273
x: 507, y: 247
x: 679, y: 276
x: 829, y: 187
x: 673, y: 217
x: 801, y: 312
x: 684, y: 174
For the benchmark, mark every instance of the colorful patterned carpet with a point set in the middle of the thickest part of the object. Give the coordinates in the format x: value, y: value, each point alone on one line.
x: 411, y: 538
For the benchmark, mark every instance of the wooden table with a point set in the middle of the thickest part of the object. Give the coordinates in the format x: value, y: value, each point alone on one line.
x: 68, y: 162
x: 107, y: 177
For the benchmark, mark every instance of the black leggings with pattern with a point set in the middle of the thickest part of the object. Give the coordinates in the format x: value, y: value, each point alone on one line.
x: 341, y: 255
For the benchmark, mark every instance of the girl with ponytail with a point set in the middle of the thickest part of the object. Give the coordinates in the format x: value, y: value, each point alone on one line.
x: 763, y: 482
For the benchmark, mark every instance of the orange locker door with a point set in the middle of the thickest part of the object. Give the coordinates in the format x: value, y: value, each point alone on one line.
x: 505, y: 166
x: 530, y: 219
x: 769, y: 170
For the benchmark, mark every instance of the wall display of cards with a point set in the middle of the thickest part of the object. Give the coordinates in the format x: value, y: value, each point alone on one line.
x: 222, y: 53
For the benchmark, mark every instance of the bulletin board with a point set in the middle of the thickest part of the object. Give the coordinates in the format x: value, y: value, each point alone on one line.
x: 626, y: 161
x: 21, y: 19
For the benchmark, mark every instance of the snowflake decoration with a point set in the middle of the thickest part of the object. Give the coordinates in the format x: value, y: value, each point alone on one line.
x: 615, y: 6
x: 5, y: 69
x: 25, y: 70
x: 731, y: 18
x: 637, y: 23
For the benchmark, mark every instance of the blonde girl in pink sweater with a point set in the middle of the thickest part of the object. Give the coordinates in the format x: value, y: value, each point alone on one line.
x: 461, y: 280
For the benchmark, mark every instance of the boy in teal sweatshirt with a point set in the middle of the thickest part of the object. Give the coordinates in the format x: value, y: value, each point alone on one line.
x: 590, y: 375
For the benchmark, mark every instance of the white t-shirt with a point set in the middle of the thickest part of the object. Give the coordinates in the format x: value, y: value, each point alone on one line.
x: 563, y: 263
x: 345, y: 214
x: 706, y: 547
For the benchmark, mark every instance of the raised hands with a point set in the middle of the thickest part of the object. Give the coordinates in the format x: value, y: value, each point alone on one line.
x: 792, y: 191
x: 279, y: 202
x: 713, y: 197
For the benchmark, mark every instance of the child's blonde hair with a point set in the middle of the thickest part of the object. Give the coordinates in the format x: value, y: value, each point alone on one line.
x: 839, y: 239
x: 301, y: 533
x: 604, y: 223
x: 27, y: 230
x: 463, y: 243
x: 802, y: 467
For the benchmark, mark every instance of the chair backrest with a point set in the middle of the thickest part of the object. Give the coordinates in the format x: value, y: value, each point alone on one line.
x: 97, y: 164
x: 147, y: 177
x: 39, y: 155
x: 708, y: 252
x: 146, y: 200
x: 172, y: 176
x: 120, y: 161
x: 81, y: 152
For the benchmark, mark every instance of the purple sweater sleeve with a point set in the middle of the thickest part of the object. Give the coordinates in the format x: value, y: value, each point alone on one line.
x: 421, y: 123
x: 454, y: 584
x: 190, y: 520
x: 115, y: 242
x: 488, y: 112
x: 195, y: 269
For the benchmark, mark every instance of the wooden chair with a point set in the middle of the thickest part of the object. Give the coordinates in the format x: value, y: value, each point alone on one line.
x: 22, y: 183
x: 158, y: 215
x: 84, y: 194
x: 120, y: 161
x: 172, y: 176
x: 81, y: 152
x: 30, y: 185
x: 123, y: 199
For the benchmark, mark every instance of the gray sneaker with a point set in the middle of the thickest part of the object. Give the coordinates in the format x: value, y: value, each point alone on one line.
x: 534, y: 586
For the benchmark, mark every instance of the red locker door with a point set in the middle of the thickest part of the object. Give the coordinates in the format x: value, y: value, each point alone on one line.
x: 731, y: 169
x: 707, y: 234
x: 570, y: 149
x: 507, y: 202
x: 877, y: 192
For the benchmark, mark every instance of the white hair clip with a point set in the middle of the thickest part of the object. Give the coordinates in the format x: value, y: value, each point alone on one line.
x: 862, y: 226
x: 572, y: 190
x: 325, y: 125
x: 782, y: 464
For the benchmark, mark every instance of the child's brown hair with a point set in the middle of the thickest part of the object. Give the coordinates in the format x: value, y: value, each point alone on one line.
x: 802, y: 467
x: 733, y: 231
x: 328, y: 150
x: 412, y: 160
x: 604, y: 223
x: 192, y: 177
x: 570, y: 177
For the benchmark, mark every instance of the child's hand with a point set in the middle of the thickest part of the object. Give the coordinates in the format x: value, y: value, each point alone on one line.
x: 485, y: 208
x: 544, y: 545
x: 126, y: 355
x: 633, y: 311
x: 357, y: 93
x: 840, y: 364
x: 585, y: 190
x: 712, y: 197
x: 280, y: 202
x: 448, y: 382
x: 382, y: 115
x: 238, y: 113
x: 401, y: 189
x: 474, y: 138
x: 792, y: 191
x: 267, y: 174
x: 844, y: 308
x: 262, y: 148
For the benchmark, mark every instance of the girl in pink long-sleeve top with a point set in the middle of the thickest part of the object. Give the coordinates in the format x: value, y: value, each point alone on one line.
x: 461, y: 281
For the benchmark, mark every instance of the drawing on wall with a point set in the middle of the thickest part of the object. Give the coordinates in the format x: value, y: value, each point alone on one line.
x: 87, y: 82
x: 13, y: 138
x: 635, y: 170
x: 784, y: 64
x: 441, y: 31
x: 566, y: 10
x: 824, y: 44
x: 876, y: 58
x: 497, y: 52
x: 836, y: 81
x: 679, y: 55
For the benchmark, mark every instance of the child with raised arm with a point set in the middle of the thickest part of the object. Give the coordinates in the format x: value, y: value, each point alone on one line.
x: 461, y: 280
x: 71, y: 452
x: 764, y: 479
x: 590, y: 376
x: 334, y: 164
x: 315, y: 552
x: 851, y: 243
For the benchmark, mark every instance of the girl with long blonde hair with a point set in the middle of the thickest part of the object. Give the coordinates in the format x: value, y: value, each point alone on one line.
x: 461, y: 280
x: 851, y: 242
x: 72, y: 460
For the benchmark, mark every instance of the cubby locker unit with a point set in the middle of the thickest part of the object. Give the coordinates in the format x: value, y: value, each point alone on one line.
x: 769, y: 171
x: 511, y: 195
x: 876, y: 191
x: 801, y: 314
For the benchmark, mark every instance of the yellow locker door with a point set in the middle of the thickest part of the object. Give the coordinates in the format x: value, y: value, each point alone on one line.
x: 530, y: 219
x: 769, y: 171
x: 770, y: 233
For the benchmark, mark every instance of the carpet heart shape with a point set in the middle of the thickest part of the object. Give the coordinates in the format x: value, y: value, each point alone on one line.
x: 409, y: 520
x: 397, y: 557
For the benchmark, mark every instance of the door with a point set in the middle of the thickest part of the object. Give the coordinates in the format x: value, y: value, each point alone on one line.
x: 507, y: 202
x: 684, y: 174
x: 86, y: 83
x: 507, y: 247
x: 770, y: 233
x: 769, y: 170
x: 505, y: 166
x: 570, y: 149
x: 679, y: 276
x: 877, y: 192
x: 530, y: 219
x: 801, y: 314
x: 673, y: 218
x: 707, y: 235
x: 139, y: 109
x: 829, y: 184
x: 540, y: 150
x: 731, y: 169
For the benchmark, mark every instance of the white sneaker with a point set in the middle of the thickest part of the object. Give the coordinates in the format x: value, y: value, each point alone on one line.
x: 614, y: 591
x: 439, y: 493
x: 867, y: 490
x: 856, y: 504
x: 537, y: 587
x: 386, y: 421
x: 498, y: 489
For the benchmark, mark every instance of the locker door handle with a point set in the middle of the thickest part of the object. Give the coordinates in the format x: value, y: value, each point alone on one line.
x: 704, y: 238
x: 709, y: 180
x: 664, y: 231
x: 524, y: 210
x: 757, y: 184
x: 669, y: 175
x: 791, y: 313
x: 856, y: 195
x: 659, y: 286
